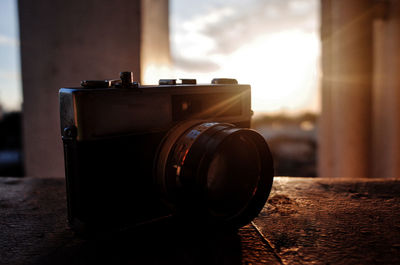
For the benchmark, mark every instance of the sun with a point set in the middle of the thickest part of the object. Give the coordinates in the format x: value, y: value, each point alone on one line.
x: 282, y: 69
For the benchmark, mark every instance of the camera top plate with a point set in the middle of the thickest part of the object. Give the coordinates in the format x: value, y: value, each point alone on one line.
x: 106, y: 108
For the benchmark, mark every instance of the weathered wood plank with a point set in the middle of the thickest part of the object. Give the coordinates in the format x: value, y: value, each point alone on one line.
x: 333, y: 221
x: 305, y: 221
x: 33, y: 230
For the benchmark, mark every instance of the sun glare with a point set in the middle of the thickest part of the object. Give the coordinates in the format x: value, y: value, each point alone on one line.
x: 281, y: 69
x: 280, y: 63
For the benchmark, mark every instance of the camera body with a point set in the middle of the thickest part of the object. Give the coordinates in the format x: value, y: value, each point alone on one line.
x: 131, y: 157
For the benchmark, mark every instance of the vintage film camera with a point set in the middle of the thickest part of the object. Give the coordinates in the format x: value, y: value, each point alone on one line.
x: 139, y: 154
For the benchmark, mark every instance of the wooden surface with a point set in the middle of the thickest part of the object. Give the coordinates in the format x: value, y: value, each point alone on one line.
x: 306, y: 221
x: 333, y: 221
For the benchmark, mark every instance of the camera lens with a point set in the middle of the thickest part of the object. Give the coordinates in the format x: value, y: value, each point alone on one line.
x: 232, y: 176
x: 216, y: 172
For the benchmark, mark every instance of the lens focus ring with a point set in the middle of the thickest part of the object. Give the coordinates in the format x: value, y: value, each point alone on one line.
x: 215, y: 171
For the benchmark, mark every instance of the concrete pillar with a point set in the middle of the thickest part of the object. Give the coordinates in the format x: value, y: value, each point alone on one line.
x: 386, y: 93
x: 63, y: 42
x: 347, y: 92
x: 325, y: 151
x: 155, y: 50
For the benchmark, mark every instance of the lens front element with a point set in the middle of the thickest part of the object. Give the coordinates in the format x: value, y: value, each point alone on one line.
x: 217, y: 172
x: 233, y: 176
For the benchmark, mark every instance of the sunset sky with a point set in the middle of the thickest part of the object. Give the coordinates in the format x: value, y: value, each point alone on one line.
x: 272, y: 45
x: 10, y: 84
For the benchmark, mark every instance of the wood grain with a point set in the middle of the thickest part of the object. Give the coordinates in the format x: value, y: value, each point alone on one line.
x: 333, y: 221
x: 34, y: 231
x: 306, y: 221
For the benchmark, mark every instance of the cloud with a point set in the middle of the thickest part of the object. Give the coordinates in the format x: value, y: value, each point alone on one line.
x: 7, y: 41
x: 232, y: 26
x: 261, y: 18
x: 195, y: 65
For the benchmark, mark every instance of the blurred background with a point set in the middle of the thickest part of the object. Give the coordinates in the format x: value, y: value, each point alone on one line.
x: 324, y: 73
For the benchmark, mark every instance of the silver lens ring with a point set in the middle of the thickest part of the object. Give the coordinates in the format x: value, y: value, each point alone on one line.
x: 215, y: 171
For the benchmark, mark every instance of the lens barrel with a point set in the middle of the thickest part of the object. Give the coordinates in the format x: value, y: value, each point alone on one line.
x: 215, y: 172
